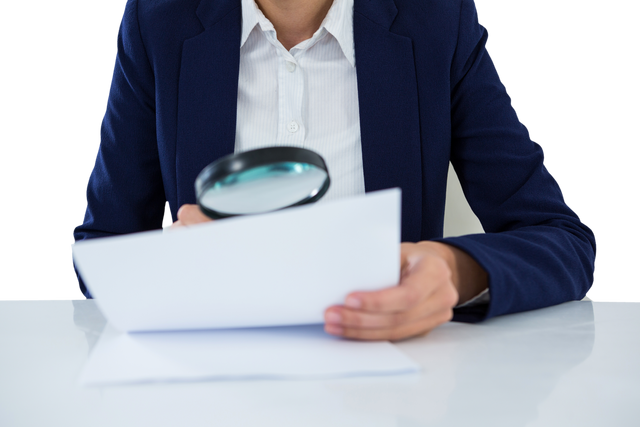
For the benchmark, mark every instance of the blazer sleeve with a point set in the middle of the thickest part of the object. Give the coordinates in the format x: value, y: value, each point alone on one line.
x: 125, y: 192
x: 535, y: 250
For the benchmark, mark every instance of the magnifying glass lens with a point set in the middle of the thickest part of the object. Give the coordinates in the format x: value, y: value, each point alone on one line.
x: 264, y: 188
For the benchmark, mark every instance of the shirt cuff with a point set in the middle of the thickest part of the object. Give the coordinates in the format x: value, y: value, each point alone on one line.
x: 480, y: 299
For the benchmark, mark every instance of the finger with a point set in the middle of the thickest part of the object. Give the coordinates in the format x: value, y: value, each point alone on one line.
x: 191, y: 215
x: 345, y: 317
x: 419, y: 327
x: 367, y: 320
x: 443, y: 298
x: 419, y: 282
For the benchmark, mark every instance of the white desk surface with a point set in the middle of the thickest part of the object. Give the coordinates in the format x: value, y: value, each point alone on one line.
x: 577, y: 364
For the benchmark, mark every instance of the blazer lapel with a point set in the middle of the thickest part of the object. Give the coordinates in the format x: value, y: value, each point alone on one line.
x: 389, y: 116
x: 208, y: 90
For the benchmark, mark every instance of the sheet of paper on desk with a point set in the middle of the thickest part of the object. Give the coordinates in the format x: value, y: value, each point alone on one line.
x: 282, y: 268
x: 290, y: 352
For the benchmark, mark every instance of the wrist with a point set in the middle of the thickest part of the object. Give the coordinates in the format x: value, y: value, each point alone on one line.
x: 468, y: 277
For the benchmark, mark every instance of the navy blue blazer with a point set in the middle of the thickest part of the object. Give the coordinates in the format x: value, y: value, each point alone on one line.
x: 428, y: 94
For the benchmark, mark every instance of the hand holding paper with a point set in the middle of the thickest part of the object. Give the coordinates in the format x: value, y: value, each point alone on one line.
x: 424, y: 299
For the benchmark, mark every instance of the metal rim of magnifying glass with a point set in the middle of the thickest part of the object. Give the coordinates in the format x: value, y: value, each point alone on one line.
x: 247, y: 160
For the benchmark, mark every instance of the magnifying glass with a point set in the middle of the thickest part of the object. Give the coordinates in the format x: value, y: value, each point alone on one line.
x: 262, y: 180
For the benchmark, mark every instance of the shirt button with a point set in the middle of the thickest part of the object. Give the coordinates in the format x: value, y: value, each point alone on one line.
x: 293, y: 126
x: 291, y: 67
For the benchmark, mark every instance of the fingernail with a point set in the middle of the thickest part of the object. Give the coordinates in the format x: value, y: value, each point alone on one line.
x: 353, y: 302
x: 333, y: 329
x: 333, y: 317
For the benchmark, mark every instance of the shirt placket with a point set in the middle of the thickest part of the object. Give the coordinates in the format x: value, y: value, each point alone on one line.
x: 291, y: 126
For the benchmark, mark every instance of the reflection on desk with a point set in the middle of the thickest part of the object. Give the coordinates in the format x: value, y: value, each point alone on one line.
x: 573, y: 364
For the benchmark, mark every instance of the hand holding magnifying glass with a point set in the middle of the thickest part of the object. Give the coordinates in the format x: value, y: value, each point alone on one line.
x: 257, y: 181
x: 190, y: 215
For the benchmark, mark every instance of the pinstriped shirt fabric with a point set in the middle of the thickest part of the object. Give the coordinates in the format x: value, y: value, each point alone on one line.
x: 306, y: 97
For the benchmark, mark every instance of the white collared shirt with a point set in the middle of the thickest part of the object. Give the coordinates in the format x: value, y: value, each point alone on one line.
x: 306, y: 97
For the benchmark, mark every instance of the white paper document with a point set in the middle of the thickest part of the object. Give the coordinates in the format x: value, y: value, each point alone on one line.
x: 210, y: 301
x: 281, y: 268
x: 290, y: 352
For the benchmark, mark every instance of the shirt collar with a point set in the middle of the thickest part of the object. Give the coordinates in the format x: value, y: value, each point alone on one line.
x: 338, y: 22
